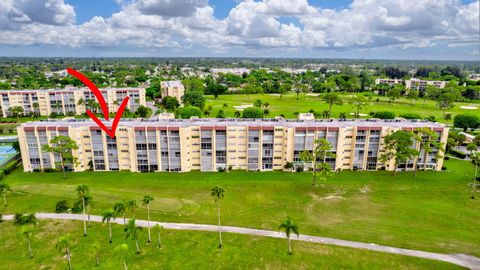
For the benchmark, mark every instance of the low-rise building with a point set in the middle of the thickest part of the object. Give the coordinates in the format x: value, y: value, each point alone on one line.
x: 214, y: 144
x: 414, y: 83
x: 69, y: 101
x: 172, y: 89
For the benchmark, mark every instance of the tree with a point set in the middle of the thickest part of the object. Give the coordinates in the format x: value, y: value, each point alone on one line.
x: 194, y: 98
x: 132, y: 233
x: 158, y: 228
x: 237, y: 114
x: 170, y: 103
x: 384, y: 115
x: 320, y: 151
x: 446, y: 101
x: 395, y: 92
x: 96, y: 252
x: 428, y: 142
x: 82, y: 191
x: 27, y: 232
x: 131, y: 205
x: 119, y: 208
x: 252, y: 112
x: 359, y: 102
x: 289, y: 227
x: 188, y: 111
x: 143, y: 111
x: 398, y: 146
x: 475, y: 157
x: 63, y: 146
x: 4, y: 187
x: 64, y: 243
x: 466, y: 121
x: 122, y: 250
x: 300, y: 88
x: 251, y: 89
x: 451, y: 142
x: 332, y: 98
x: 412, y: 96
x: 217, y: 194
x: 88, y: 203
x: 284, y: 88
x: 16, y: 112
x: 147, y: 199
x: 107, y: 216
x: 215, y: 89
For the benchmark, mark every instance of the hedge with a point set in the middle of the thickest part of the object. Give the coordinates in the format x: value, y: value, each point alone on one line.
x: 458, y: 154
x: 10, y: 167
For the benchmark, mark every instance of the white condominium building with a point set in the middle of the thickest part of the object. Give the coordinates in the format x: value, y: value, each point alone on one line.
x: 69, y: 101
x: 172, y: 89
x: 413, y: 83
x: 214, y: 144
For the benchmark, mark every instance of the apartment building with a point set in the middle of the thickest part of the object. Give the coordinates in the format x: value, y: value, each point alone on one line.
x: 172, y: 89
x: 69, y: 101
x: 211, y: 144
x: 413, y: 83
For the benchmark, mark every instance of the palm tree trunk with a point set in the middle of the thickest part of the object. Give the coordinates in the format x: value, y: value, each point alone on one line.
x: 63, y: 169
x: 425, y: 160
x: 289, y: 246
x: 88, y: 215
x: 84, y: 220
x: 330, y: 110
x: 148, y: 224
x: 68, y: 259
x: 137, y: 246
x: 474, y: 181
x: 159, y: 239
x: 97, y: 259
x: 314, y: 183
x: 415, y: 167
x: 395, y: 169
x: 110, y: 231
x: 125, y: 265
x: 219, y: 226
x: 30, y: 252
x: 5, y: 198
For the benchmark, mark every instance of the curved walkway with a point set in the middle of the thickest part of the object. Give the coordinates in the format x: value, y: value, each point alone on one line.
x: 458, y: 259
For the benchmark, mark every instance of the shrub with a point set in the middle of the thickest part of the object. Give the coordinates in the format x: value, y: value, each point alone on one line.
x: 457, y: 153
x: 50, y: 170
x: 188, y: 111
x: 411, y: 116
x: 22, y: 219
x: 384, y: 115
x: 10, y: 167
x: 446, y: 158
x: 444, y: 168
x: 221, y: 169
x: 431, y: 118
x: 299, y: 169
x: 466, y: 121
x: 170, y: 103
x: 77, y: 207
x: 61, y: 206
x: 252, y: 112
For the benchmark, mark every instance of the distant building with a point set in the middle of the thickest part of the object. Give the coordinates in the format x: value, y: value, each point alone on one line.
x: 413, y: 83
x: 69, y: 101
x: 474, y: 77
x: 236, y: 71
x: 172, y: 89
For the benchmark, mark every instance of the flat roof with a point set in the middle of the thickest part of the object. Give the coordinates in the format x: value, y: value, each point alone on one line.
x: 172, y: 83
x: 70, y: 89
x: 221, y: 122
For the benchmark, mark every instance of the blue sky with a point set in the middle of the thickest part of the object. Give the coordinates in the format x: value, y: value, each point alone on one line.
x: 394, y: 29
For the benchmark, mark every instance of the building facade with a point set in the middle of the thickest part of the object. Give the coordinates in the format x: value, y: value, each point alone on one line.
x: 68, y: 101
x: 172, y: 89
x: 413, y: 83
x: 213, y: 144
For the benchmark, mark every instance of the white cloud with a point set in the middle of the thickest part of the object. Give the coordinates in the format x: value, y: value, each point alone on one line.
x: 250, y: 25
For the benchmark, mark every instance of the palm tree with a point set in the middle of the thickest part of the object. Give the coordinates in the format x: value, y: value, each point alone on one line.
x: 107, y: 216
x: 266, y: 105
x: 131, y: 205
x: 342, y: 115
x: 27, y: 232
x: 119, y: 208
x: 237, y: 114
x: 132, y: 232
x: 3, y: 190
x: 217, y: 194
x: 288, y: 226
x: 475, y: 157
x: 88, y: 203
x: 64, y: 243
x: 82, y: 191
x: 146, y: 202
x: 158, y: 228
x: 96, y: 252
x: 122, y: 250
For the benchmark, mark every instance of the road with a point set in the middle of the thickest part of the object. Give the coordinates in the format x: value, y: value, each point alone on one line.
x: 457, y: 259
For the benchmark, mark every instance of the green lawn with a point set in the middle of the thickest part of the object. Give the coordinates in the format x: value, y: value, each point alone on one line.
x: 288, y: 105
x: 432, y: 212
x: 188, y: 250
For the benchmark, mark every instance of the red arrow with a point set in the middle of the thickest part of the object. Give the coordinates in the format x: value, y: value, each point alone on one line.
x: 103, y: 104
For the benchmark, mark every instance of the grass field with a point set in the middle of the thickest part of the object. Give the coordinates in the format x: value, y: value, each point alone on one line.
x: 432, y: 212
x: 187, y: 250
x: 288, y: 105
